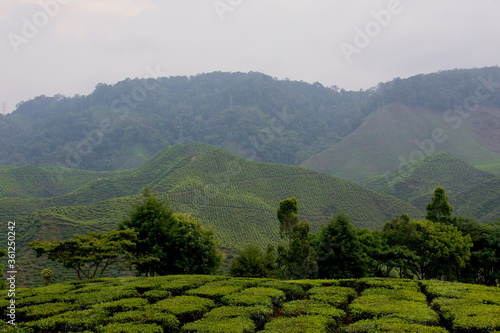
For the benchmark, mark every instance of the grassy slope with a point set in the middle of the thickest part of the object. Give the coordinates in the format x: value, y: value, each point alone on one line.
x: 471, y: 190
x: 389, y: 135
x: 237, y: 197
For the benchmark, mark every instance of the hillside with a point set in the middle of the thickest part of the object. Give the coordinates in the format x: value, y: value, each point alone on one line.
x: 257, y: 117
x: 236, y: 197
x: 396, y: 135
x: 416, y: 185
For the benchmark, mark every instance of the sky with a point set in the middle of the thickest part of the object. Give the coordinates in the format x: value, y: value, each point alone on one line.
x: 67, y: 47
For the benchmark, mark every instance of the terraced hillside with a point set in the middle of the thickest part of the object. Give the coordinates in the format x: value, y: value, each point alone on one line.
x: 397, y: 134
x: 236, y: 197
x: 473, y: 192
x: 219, y: 304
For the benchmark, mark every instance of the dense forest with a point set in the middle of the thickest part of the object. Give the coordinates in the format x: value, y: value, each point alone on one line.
x: 119, y: 126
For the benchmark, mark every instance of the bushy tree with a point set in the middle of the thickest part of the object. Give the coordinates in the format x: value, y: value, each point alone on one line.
x: 339, y: 251
x: 197, y: 246
x: 251, y: 261
x: 434, y: 250
x: 169, y: 243
x: 298, y: 262
x: 484, y: 265
x: 439, y: 210
x: 89, y: 255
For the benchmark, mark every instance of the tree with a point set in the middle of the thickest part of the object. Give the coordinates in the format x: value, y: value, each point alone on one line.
x: 438, y: 250
x: 287, y: 216
x: 157, y: 229
x: 439, y: 210
x: 168, y: 242
x: 339, y: 252
x: 47, y: 275
x: 298, y: 261
x: 251, y: 261
x: 197, y: 246
x: 89, y: 255
x: 484, y: 265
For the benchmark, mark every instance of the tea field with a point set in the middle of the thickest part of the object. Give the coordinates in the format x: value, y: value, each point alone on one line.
x: 196, y: 303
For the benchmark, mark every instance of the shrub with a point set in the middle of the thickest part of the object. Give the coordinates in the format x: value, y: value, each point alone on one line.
x: 390, y: 325
x: 376, y: 306
x: 185, y: 308
x: 72, y: 321
x: 339, y: 297
x: 132, y: 328
x: 292, y: 291
x: 300, y: 324
x: 224, y: 325
x: 256, y: 296
x: 258, y: 314
x: 154, y: 296
x: 307, y: 307
x: 39, y: 311
x: 168, y: 322
x: 126, y: 304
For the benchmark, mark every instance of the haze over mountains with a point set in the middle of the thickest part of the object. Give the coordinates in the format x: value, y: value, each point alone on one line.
x: 73, y: 165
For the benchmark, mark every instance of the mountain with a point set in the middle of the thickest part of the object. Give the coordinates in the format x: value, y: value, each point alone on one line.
x: 120, y: 126
x: 261, y: 118
x: 238, y: 198
x: 397, y: 135
x: 473, y: 192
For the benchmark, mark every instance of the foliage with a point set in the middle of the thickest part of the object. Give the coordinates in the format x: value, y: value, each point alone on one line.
x: 47, y: 275
x: 256, y: 296
x: 339, y: 252
x: 297, y: 262
x: 287, y: 216
x: 311, y: 307
x: 390, y: 325
x: 251, y: 261
x: 439, y: 210
x: 89, y: 255
x: 312, y: 324
x: 439, y: 249
x: 185, y: 308
x: 224, y: 325
x: 484, y: 265
x: 169, y: 243
x: 336, y: 296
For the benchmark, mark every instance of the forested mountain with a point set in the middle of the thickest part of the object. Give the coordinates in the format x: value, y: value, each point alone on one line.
x: 236, y: 197
x: 258, y: 117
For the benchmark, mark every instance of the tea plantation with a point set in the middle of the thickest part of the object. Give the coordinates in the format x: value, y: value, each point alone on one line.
x: 200, y: 303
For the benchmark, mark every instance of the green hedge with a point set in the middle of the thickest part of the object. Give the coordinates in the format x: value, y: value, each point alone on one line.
x: 220, y: 325
x: 132, y: 328
x: 256, y: 296
x: 339, y: 297
x: 185, y: 308
x: 308, y: 307
x: 168, y: 322
x: 394, y: 325
x: 258, y: 314
x: 301, y: 324
x: 293, y: 291
x: 380, y: 305
x: 72, y: 321
x: 126, y: 304
x: 40, y: 311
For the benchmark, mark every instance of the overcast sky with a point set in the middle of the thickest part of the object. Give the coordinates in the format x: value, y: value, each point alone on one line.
x: 71, y: 45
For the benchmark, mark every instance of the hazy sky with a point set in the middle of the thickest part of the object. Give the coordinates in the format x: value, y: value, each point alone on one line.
x: 68, y: 46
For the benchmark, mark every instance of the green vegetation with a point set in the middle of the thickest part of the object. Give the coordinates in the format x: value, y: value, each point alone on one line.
x: 235, y: 197
x: 352, y: 305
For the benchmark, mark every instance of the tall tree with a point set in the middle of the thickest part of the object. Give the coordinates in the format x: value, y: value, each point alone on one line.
x: 339, y: 251
x: 439, y: 210
x: 438, y: 250
x: 287, y: 216
x: 168, y: 242
x: 298, y: 262
x: 157, y: 230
